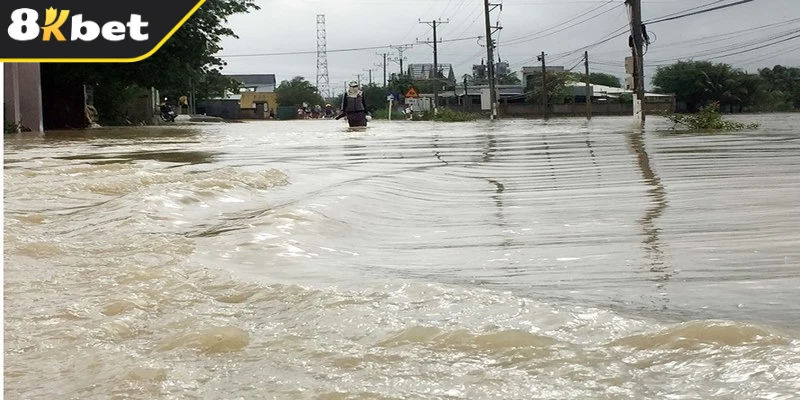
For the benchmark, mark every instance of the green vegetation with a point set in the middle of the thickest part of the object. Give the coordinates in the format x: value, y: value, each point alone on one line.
x: 708, y: 118
x: 186, y: 60
x: 599, y: 78
x: 699, y: 83
x: 383, y: 113
x: 11, y: 127
x: 557, y: 92
x: 445, y: 115
x: 450, y: 115
x: 298, y: 91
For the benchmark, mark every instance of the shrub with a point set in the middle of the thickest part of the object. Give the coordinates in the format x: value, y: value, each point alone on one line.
x: 708, y: 118
x: 383, y: 113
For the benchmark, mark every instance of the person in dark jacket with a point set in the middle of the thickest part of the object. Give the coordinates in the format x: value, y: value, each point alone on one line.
x: 354, y: 107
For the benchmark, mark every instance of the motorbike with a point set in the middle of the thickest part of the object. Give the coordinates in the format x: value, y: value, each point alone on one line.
x: 167, y: 114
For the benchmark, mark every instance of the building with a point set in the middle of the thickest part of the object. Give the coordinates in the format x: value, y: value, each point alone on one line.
x: 255, y: 99
x: 256, y: 89
x: 529, y: 73
x: 425, y: 72
x: 480, y: 71
x: 654, y: 102
x: 22, y: 96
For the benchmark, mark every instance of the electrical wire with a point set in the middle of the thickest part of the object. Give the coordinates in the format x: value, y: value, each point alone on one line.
x: 562, y: 22
x: 656, y: 21
x: 736, y: 46
x: 290, y: 53
x: 562, y: 28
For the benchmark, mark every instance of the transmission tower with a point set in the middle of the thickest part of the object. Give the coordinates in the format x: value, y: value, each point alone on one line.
x: 323, y: 85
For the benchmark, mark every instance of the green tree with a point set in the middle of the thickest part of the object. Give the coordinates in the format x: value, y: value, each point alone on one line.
x: 402, y: 83
x: 599, y: 78
x: 784, y: 80
x: 685, y: 79
x: 187, y: 59
x: 375, y: 97
x: 298, y: 91
x: 698, y: 83
x: 510, y: 78
x: 557, y: 91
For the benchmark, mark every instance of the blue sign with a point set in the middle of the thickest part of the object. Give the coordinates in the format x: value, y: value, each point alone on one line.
x: 395, y: 95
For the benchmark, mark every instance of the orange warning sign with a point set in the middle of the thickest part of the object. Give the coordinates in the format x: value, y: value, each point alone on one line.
x: 411, y: 92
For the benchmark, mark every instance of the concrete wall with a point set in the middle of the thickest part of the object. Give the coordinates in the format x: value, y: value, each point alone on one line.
x: 579, y: 109
x: 227, y: 109
x: 141, y: 109
x: 22, y: 95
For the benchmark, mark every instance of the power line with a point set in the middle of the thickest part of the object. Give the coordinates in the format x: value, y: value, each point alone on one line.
x: 711, y: 38
x: 735, y: 46
x: 740, y: 2
x: 693, y: 8
x: 562, y: 22
x: 293, y: 53
x: 624, y: 28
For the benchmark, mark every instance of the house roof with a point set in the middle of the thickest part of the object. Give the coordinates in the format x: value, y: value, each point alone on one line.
x: 255, y: 79
x: 424, y: 70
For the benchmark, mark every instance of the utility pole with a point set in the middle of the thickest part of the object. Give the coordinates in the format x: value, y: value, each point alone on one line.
x: 359, y: 80
x: 436, y: 82
x: 638, y: 59
x: 384, y: 67
x: 490, y: 43
x: 464, y: 101
x: 370, y: 75
x: 544, y: 87
x: 400, y: 49
x: 588, y: 86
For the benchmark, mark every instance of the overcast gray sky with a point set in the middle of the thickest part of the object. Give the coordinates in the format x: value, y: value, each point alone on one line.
x: 529, y: 27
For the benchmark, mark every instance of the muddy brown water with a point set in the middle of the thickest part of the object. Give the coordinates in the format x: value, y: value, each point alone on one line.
x: 509, y: 260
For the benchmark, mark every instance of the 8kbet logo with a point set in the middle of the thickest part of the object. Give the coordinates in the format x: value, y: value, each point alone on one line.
x: 26, y: 26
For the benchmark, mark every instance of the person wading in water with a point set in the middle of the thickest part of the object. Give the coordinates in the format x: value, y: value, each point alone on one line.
x: 354, y: 106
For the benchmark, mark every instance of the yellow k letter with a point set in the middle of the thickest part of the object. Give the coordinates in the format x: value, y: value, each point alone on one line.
x: 52, y: 26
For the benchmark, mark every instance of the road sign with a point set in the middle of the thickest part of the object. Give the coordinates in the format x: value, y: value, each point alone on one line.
x: 411, y: 92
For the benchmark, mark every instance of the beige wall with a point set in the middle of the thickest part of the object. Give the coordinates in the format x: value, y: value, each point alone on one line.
x: 249, y: 98
x: 22, y: 95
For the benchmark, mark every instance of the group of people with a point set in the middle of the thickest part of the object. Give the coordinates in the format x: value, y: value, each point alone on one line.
x: 353, y: 108
x: 316, y: 112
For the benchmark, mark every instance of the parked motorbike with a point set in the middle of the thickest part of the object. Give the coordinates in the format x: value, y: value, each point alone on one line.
x: 167, y: 114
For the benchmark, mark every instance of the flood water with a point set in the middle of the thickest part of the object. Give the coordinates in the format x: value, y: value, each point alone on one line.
x: 518, y: 259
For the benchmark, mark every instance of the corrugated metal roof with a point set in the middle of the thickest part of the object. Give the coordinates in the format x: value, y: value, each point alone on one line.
x: 255, y: 79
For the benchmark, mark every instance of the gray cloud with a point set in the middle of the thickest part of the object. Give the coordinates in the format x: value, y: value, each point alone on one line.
x: 290, y: 26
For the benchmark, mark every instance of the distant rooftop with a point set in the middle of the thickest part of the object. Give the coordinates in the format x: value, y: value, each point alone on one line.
x: 255, y: 79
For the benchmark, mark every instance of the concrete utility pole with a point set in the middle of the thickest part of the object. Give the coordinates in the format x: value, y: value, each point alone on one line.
x: 638, y: 59
x: 400, y: 49
x: 370, y: 75
x: 487, y: 8
x: 588, y: 87
x: 435, y: 71
x: 544, y: 87
x: 384, y: 67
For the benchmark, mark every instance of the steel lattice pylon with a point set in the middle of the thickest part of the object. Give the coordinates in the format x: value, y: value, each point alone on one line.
x: 323, y: 85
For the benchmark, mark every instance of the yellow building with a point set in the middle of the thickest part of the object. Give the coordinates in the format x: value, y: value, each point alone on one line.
x: 248, y: 100
x: 256, y: 96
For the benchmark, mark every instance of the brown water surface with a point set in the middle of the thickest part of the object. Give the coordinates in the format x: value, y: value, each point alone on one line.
x: 508, y: 260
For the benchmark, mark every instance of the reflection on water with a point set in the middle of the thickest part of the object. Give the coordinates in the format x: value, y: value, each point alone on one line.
x: 513, y: 259
x: 652, y: 242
